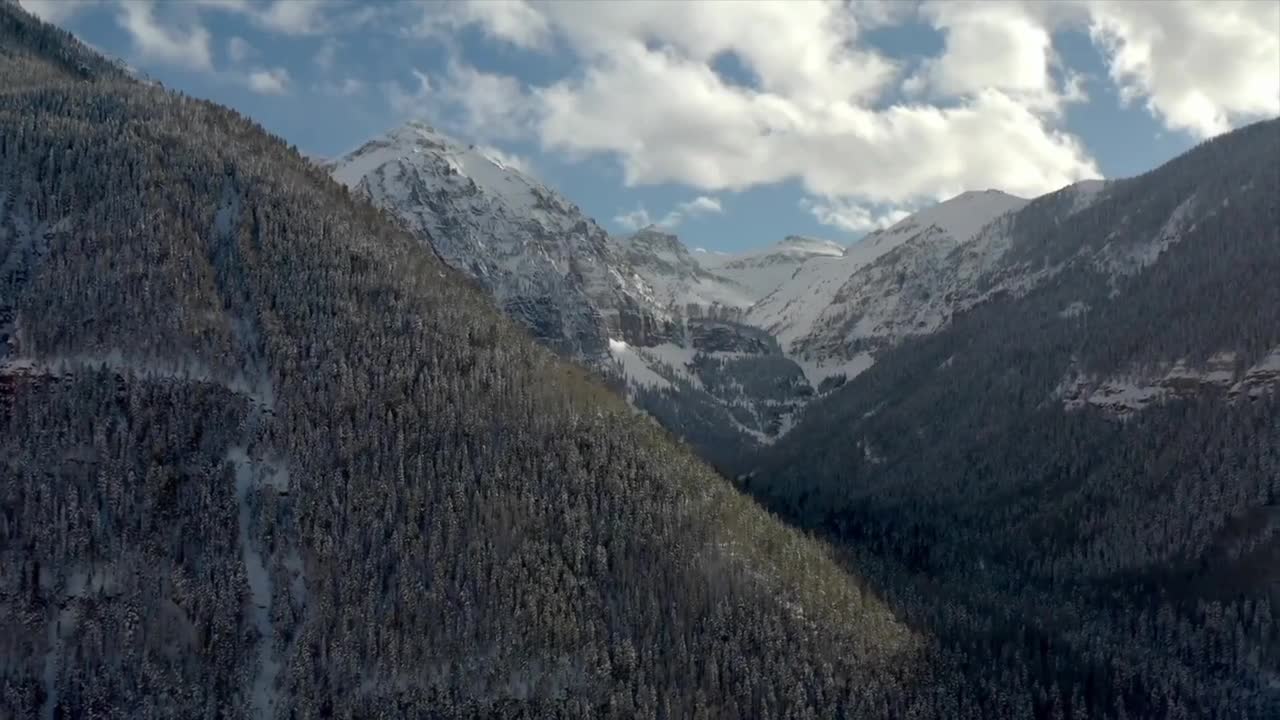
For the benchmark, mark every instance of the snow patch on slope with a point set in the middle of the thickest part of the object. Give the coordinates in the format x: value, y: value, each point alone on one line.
x: 1128, y: 258
x: 634, y: 367
x: 760, y: 272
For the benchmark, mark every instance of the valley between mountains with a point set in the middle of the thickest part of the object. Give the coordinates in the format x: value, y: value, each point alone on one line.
x: 406, y: 434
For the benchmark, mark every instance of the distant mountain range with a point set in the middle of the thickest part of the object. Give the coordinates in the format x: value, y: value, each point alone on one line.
x: 638, y: 306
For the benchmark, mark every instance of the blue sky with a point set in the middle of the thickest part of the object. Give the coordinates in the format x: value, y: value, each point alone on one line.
x: 822, y: 119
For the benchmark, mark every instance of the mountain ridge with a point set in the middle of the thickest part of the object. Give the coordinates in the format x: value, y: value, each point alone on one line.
x: 544, y: 261
x: 433, y: 516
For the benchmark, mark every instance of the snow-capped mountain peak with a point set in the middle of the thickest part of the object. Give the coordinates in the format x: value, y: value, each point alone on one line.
x: 660, y: 243
x: 547, y: 264
x: 420, y: 145
x: 760, y: 272
x: 816, y: 287
x: 677, y: 280
x: 958, y: 219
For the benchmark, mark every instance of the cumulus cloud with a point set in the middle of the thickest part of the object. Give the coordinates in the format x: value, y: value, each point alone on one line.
x: 152, y: 40
x: 293, y: 17
x: 482, y: 105
x: 821, y: 105
x: 639, y: 218
x: 649, y: 94
x: 850, y: 216
x: 1203, y: 67
x: 634, y: 220
x: 701, y: 205
x: 506, y: 159
x: 694, y: 129
x: 1003, y: 46
x: 272, y: 81
x: 811, y: 98
x: 512, y: 21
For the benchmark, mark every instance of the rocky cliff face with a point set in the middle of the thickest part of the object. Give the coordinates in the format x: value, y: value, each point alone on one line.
x: 720, y: 336
x: 678, y: 281
x: 954, y: 256
x: 548, y: 265
x: 877, y: 289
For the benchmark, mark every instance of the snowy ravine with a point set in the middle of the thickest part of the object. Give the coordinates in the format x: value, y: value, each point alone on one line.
x: 59, y: 630
x: 251, y: 476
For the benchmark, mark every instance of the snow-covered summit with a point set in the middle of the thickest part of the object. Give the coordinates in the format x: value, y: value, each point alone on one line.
x: 760, y: 272
x: 791, y: 249
x: 420, y: 145
x: 810, y: 295
x: 547, y: 264
x: 953, y: 257
x: 679, y: 283
x: 662, y: 245
x: 957, y: 219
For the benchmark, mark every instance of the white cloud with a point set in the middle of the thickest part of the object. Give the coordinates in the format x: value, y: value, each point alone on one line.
x: 273, y: 81
x: 409, y: 102
x: 804, y: 50
x: 492, y: 105
x: 850, y: 216
x: 639, y: 218
x: 648, y: 94
x: 511, y: 160
x: 700, y: 205
x: 486, y: 105
x: 1203, y: 67
x: 692, y: 128
x: 187, y: 47
x: 986, y: 112
x: 238, y: 49
x: 634, y: 220
x: 296, y: 17
x: 994, y: 45
x: 293, y: 17
x: 512, y: 21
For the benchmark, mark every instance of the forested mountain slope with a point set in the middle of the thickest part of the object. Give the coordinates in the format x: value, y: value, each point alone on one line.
x: 263, y: 455
x: 1076, y: 485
